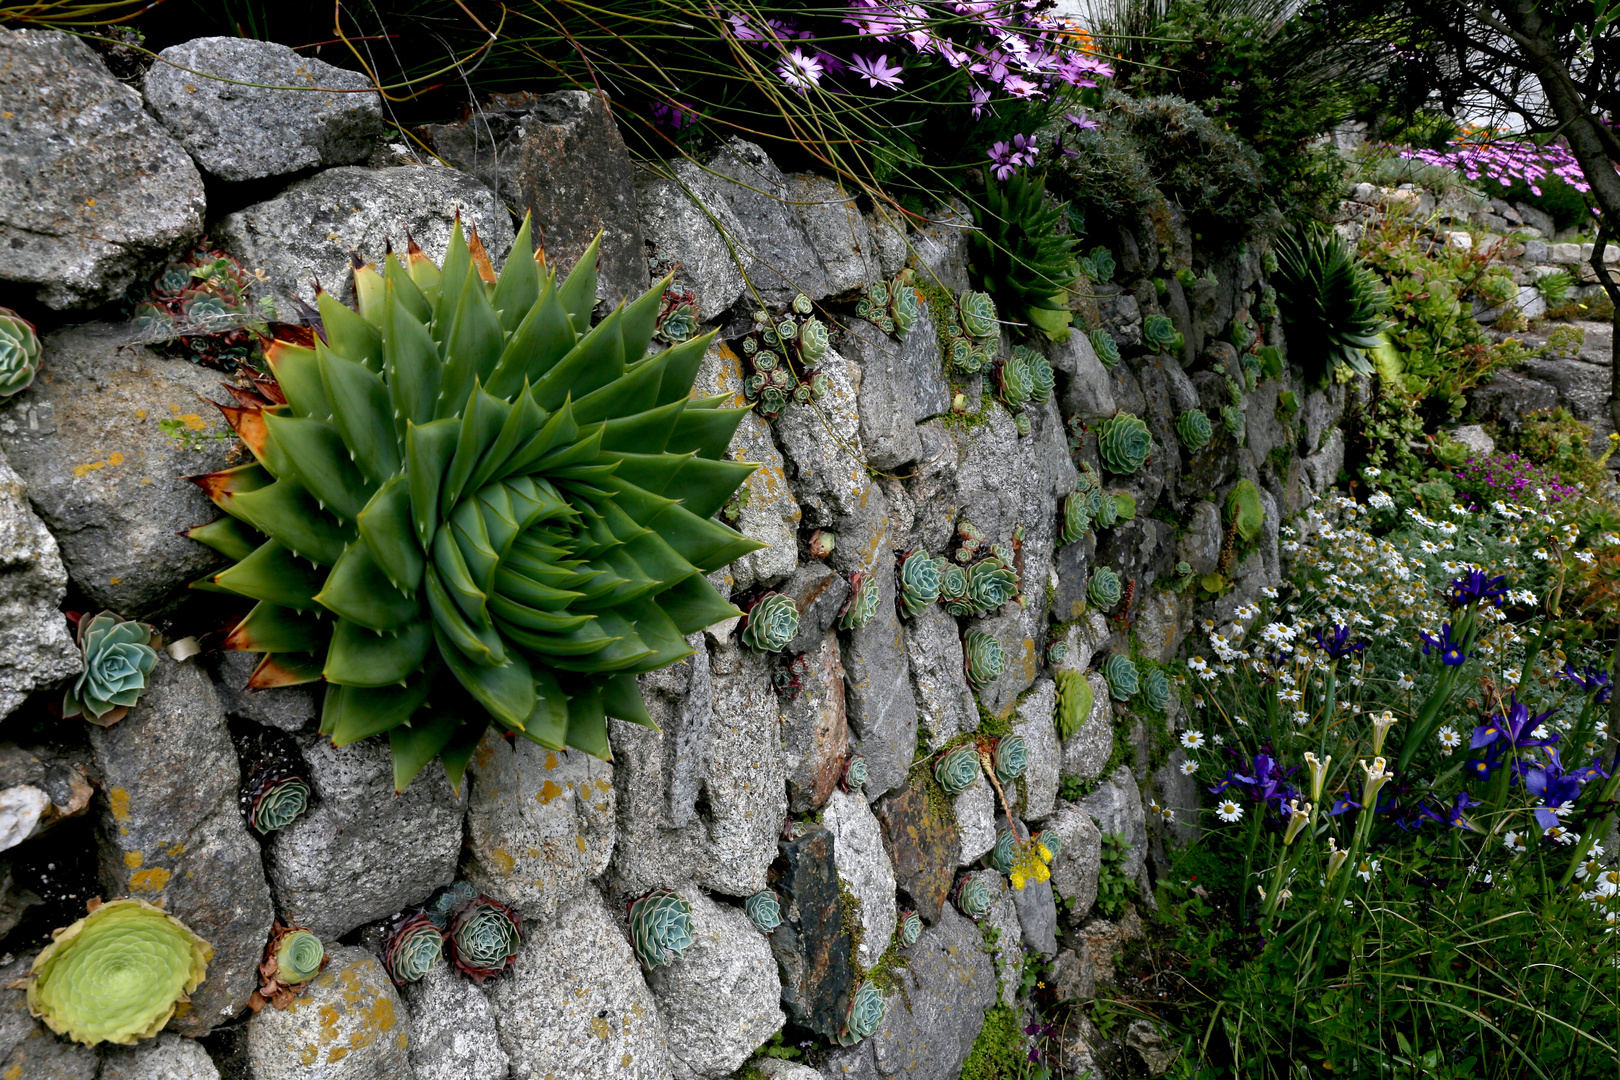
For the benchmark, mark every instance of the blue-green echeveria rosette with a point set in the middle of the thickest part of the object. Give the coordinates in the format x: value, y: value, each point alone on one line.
x: 19, y: 353
x: 414, y: 946
x: 484, y: 938
x: 1106, y: 348
x: 277, y: 799
x: 1104, y: 589
x: 854, y: 777
x: 957, y: 768
x: 765, y: 910
x: 477, y: 507
x: 1194, y: 429
x: 983, y: 658
x: 911, y: 927
x: 118, y: 658
x: 1124, y: 443
x: 1121, y: 673
x: 118, y: 974
x: 1155, y: 692
x: 1001, y: 857
x: 866, y: 1011
x: 973, y: 897
x: 1076, y: 517
x: 862, y: 607
x: 1011, y: 758
x: 660, y: 928
x: 919, y: 581
x: 772, y: 622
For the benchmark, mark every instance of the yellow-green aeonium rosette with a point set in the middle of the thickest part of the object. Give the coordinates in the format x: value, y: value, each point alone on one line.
x: 117, y: 974
x: 475, y: 506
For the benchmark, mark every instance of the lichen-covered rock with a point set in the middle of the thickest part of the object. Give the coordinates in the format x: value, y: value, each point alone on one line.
x: 1036, y: 724
x: 104, y: 440
x: 978, y: 818
x: 777, y: 1069
x: 823, y: 453
x: 919, y: 833
x: 559, y: 157
x: 940, y: 246
x: 1079, y: 860
x: 686, y: 222
x: 539, y: 823
x: 945, y: 706
x: 864, y: 868
x: 93, y: 193
x: 348, y: 1025
x: 28, y: 1049
x: 815, y: 731
x: 820, y: 596
x: 237, y: 131
x: 453, y: 1033
x: 1088, y: 393
x: 290, y: 708
x: 723, y: 998
x: 881, y: 709
x: 36, y: 645
x: 888, y: 396
x: 1116, y: 807
x: 1016, y: 629
x: 574, y: 1003
x: 812, y: 946
x: 744, y: 784
x: 779, y: 259
x: 837, y: 231
x: 309, y: 230
x: 171, y: 832
x: 946, y: 986
x: 361, y: 852
x: 1086, y: 752
x: 168, y: 1057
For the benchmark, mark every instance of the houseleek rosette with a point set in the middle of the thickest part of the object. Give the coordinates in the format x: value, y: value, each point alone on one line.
x: 910, y: 927
x: 1155, y: 689
x: 973, y: 897
x: 1075, y: 698
x: 772, y: 622
x: 919, y: 581
x: 660, y: 928
x: 118, y: 657
x: 1104, y: 588
x: 866, y: 1011
x: 1120, y: 671
x: 278, y: 799
x: 1124, y: 443
x: 474, y: 506
x: 117, y: 974
x: 484, y: 937
x: 19, y: 353
x: 1106, y: 348
x: 292, y: 958
x: 863, y: 602
x: 415, y: 945
x: 1002, y: 856
x: 1011, y: 757
x: 854, y: 773
x: 957, y: 768
x: 765, y: 910
x: 1194, y: 429
x: 983, y: 658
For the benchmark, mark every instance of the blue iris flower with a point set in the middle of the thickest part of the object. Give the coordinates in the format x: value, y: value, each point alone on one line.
x: 1455, y: 815
x: 1451, y: 650
x: 1474, y: 585
x: 1591, y: 677
x: 1555, y: 787
x: 1513, y: 729
x: 1335, y: 641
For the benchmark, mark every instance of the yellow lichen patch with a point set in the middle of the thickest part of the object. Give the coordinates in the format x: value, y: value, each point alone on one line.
x: 548, y: 791
x: 81, y: 471
x: 152, y: 880
x: 503, y: 862
x: 310, y: 1056
x: 177, y: 849
x: 600, y: 1026
x: 133, y: 859
x: 118, y: 802
x: 580, y: 840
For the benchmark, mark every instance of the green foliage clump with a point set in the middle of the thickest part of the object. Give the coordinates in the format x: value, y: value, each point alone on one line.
x: 998, y: 1052
x: 1074, y: 700
x: 1559, y: 443
x: 1244, y: 511
x: 1331, y: 304
x: 1021, y: 254
x: 1113, y: 886
x: 477, y: 507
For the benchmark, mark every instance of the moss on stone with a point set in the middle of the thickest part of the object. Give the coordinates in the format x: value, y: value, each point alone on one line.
x: 998, y: 1052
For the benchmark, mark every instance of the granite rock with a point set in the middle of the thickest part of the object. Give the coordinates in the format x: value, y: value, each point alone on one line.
x: 745, y: 781
x: 881, y: 709
x: 1035, y: 722
x: 945, y: 705
x: 812, y: 946
x: 240, y: 132
x: 888, y: 399
x: 823, y: 453
x: 104, y: 440
x: 453, y: 1033
x: 168, y: 1057
x: 778, y: 257
x: 94, y: 194
x: 1037, y: 916
x: 290, y: 708
x: 920, y: 836
x: 815, y: 731
x: 348, y: 1025
x: 1116, y: 807
x: 36, y: 643
x: 171, y: 832
x: 1087, y: 751
x: 837, y: 231
x: 864, y: 868
x: 686, y: 224
x: 820, y: 596
x: 1003, y: 936
x: 28, y: 1049
x: 941, y: 249
x: 978, y: 820
x: 1079, y: 860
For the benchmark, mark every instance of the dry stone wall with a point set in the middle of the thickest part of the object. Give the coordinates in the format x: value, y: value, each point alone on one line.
x: 738, y: 789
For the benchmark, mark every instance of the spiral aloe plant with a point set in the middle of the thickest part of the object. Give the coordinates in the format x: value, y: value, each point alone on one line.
x: 1331, y: 302
x: 1020, y: 254
x: 1011, y: 758
x: 474, y: 506
x: 1155, y: 689
x: 919, y: 581
x: 1122, y: 678
x: 118, y: 657
x: 292, y: 958
x: 278, y: 798
x: 854, y: 776
x: 864, y: 595
x: 1074, y: 700
x: 1124, y: 443
x: 983, y: 658
x: 910, y: 927
x: 414, y: 947
x: 19, y: 353
x: 764, y: 910
x: 1194, y: 430
x: 117, y: 974
x: 1104, y: 589
x: 957, y: 768
x: 660, y: 928
x: 1159, y: 334
x: 866, y: 1011
x: 772, y: 622
x: 973, y: 896
x: 1106, y: 348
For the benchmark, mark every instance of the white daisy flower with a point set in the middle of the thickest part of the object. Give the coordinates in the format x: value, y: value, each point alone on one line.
x: 1514, y: 843
x: 1449, y: 739
x: 1228, y: 811
x: 1192, y: 740
x: 1188, y: 768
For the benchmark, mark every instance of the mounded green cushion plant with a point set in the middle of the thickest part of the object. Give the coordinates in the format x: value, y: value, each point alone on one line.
x: 1332, y: 304
x: 1245, y: 511
x: 475, y: 506
x: 1194, y: 429
x: 1124, y: 443
x: 1074, y: 699
x: 118, y: 658
x: 19, y: 353
x: 117, y: 974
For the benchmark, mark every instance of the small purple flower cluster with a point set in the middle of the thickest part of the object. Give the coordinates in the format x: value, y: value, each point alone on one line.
x: 1511, y: 479
x: 1479, y: 157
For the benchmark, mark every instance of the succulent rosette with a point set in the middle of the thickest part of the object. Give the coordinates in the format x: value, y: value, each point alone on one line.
x: 864, y: 595
x: 1104, y: 589
x: 660, y: 928
x: 973, y: 896
x: 983, y: 658
x: 1124, y: 443
x: 957, y: 769
x: 1014, y: 378
x: 414, y: 946
x: 903, y: 304
x: 1042, y: 380
x: 476, y: 507
x: 866, y: 1011
x: 854, y: 773
x: 1051, y: 841
x: 118, y: 657
x: 1155, y: 689
x: 953, y: 589
x: 19, y: 353
x: 992, y: 582
x: 1160, y: 334
x: 764, y: 910
x: 1001, y: 857
x: 772, y: 622
x: 1107, y: 515
x: 484, y: 937
x: 1194, y: 429
x: 1106, y: 348
x: 1011, y: 757
x: 1232, y: 417
x: 292, y: 958
x: 911, y: 927
x: 1121, y: 673
x: 919, y: 581
x: 278, y: 798
x: 117, y: 974
x: 1075, y: 699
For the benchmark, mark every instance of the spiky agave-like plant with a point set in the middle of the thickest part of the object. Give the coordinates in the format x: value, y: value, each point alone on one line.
x: 1021, y: 257
x: 1332, y: 305
x: 476, y: 507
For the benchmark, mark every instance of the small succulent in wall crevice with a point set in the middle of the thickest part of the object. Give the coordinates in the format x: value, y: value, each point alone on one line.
x: 660, y: 928
x: 972, y: 896
x: 119, y: 654
x: 1124, y: 443
x: 1155, y: 692
x: 1121, y: 673
x: 787, y: 676
x: 782, y: 354
x: 1194, y: 429
x: 957, y: 768
x: 862, y: 606
x: 911, y: 927
x: 1011, y: 758
x: 276, y: 798
x: 919, y: 578
x: 1074, y: 700
x: 1106, y: 348
x: 892, y: 306
x: 1004, y: 853
x: 414, y: 946
x: 866, y: 1010
x: 19, y: 353
x: 678, y: 317
x: 292, y: 958
x: 971, y: 333
x: 1160, y: 335
x: 772, y: 622
x: 983, y: 657
x: 764, y: 910
x: 483, y: 934
x: 1104, y: 589
x: 854, y: 775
